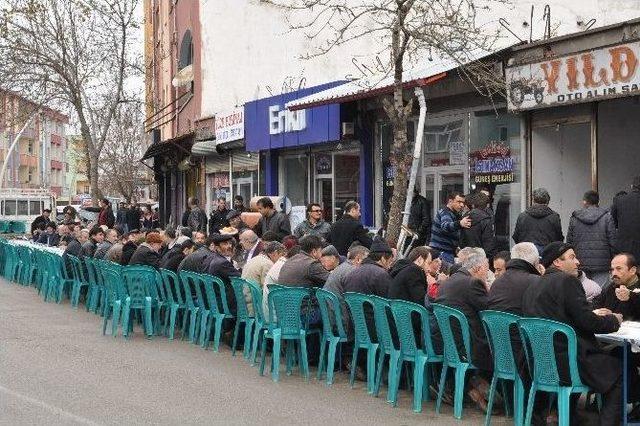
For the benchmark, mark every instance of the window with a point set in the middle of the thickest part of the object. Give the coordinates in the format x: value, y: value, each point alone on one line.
x: 438, y: 138
x: 10, y: 207
x: 35, y: 207
x: 30, y: 149
x: 186, y: 50
x: 295, y: 177
x: 23, y: 208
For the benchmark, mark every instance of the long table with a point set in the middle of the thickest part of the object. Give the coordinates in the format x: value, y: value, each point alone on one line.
x: 626, y: 337
x: 27, y: 243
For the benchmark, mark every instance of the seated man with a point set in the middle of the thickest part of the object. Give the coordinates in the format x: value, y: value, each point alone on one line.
x: 172, y: 258
x: 304, y: 269
x: 466, y: 290
x: 49, y: 236
x: 622, y: 295
x: 330, y: 258
x: 521, y: 271
x: 148, y: 253
x: 220, y: 266
x: 559, y: 296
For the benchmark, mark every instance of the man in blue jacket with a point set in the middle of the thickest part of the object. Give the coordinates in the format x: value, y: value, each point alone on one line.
x: 445, y: 230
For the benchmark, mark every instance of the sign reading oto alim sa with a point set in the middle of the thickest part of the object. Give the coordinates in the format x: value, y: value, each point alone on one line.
x: 594, y: 75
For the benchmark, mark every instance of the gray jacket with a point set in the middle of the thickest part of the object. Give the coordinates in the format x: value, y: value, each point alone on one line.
x: 302, y: 270
x: 278, y: 222
x: 593, y: 235
x: 321, y: 229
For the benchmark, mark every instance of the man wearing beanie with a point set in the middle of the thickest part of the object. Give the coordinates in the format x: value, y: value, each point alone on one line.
x: 372, y: 276
x: 559, y: 296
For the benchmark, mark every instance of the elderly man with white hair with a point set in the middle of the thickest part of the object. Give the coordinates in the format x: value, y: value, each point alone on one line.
x: 524, y: 269
x: 466, y: 290
x: 251, y: 244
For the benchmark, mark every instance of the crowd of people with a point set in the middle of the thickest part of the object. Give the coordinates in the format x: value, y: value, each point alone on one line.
x: 588, y: 281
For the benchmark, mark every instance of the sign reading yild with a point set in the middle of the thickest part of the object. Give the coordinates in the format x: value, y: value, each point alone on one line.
x: 583, y: 77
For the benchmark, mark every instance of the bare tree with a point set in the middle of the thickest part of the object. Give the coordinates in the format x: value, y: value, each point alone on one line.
x: 119, y: 169
x: 407, y: 31
x: 76, y: 53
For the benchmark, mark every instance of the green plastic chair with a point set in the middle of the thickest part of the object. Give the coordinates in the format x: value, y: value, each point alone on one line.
x: 285, y: 323
x: 497, y: 326
x: 4, y: 227
x: 12, y: 263
x: 261, y: 323
x: 17, y: 227
x: 96, y: 288
x: 381, y: 307
x: 242, y: 316
x: 357, y: 303
x: 418, y: 351
x: 115, y: 296
x: 193, y: 303
x: 174, y: 299
x: 81, y: 280
x: 56, y: 282
x: 138, y: 281
x: 333, y: 332
x: 451, y: 357
x: 215, y: 312
x: 537, y: 336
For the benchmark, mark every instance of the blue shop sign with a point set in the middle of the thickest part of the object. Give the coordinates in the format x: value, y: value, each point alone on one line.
x: 269, y: 125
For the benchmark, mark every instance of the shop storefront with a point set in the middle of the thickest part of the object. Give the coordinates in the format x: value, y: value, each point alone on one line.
x: 305, y: 155
x: 581, y: 107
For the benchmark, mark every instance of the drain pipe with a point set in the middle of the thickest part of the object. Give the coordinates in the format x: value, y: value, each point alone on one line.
x: 417, y: 152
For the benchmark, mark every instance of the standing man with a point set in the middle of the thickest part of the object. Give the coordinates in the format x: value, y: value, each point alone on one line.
x: 218, y: 219
x: 349, y: 229
x: 272, y: 220
x: 105, y: 213
x: 132, y: 216
x: 559, y: 296
x: 625, y: 216
x: 592, y: 233
x: 481, y: 233
x: 314, y: 224
x: 197, y: 220
x: 420, y: 218
x: 445, y: 230
x: 238, y: 204
x: 121, y: 217
x: 41, y: 221
x: 538, y: 224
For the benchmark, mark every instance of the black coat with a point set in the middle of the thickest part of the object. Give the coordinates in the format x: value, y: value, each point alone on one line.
x: 222, y: 268
x: 539, y: 225
x: 560, y: 297
x: 630, y: 309
x: 145, y: 255
x: 218, y: 220
x: 198, y: 261
x: 88, y: 248
x: 52, y: 240
x: 347, y: 230
x: 409, y: 282
x: 40, y: 222
x: 624, y: 212
x: 369, y: 278
x: 593, y: 236
x: 172, y: 258
x: 133, y: 218
x: 420, y: 218
x: 467, y: 294
x: 481, y: 234
x: 506, y: 292
x: 127, y: 251
x: 278, y: 222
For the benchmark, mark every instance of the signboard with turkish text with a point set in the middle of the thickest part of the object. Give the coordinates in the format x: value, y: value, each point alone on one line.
x: 492, y: 164
x: 588, y: 76
x: 230, y: 125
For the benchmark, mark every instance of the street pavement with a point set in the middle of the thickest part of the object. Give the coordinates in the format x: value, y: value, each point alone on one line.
x: 56, y: 367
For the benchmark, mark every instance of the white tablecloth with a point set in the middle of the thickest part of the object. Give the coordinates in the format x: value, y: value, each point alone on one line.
x: 56, y: 250
x: 630, y: 331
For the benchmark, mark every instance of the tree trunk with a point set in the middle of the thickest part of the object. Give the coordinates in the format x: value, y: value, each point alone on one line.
x: 402, y: 166
x: 96, y: 194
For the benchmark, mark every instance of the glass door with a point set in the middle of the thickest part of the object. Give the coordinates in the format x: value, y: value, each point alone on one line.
x: 438, y: 183
x: 244, y: 187
x: 324, y: 192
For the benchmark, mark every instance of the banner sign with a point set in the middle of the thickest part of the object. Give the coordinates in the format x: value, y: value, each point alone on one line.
x: 493, y: 164
x: 582, y: 77
x: 230, y: 125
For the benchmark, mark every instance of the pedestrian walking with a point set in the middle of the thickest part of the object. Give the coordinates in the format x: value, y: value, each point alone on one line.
x: 592, y: 233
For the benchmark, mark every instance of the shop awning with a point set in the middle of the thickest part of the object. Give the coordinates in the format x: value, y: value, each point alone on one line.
x: 156, y: 149
x: 369, y: 87
x: 204, y: 148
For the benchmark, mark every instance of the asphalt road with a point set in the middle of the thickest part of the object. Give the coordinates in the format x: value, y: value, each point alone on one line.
x: 57, y: 368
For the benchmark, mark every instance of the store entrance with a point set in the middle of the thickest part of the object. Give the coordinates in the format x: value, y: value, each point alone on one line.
x: 438, y: 182
x: 244, y: 187
x: 324, y: 193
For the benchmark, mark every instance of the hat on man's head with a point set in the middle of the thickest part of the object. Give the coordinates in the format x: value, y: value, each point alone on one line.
x: 233, y: 214
x: 220, y: 238
x: 553, y: 251
x: 379, y: 245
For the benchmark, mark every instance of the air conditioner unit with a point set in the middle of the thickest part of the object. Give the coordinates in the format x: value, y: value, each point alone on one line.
x: 348, y: 128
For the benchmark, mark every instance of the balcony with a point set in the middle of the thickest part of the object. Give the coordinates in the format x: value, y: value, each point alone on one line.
x: 28, y: 160
x: 57, y: 165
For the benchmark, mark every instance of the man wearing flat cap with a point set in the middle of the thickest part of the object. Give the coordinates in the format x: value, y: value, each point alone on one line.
x: 221, y: 265
x: 560, y: 296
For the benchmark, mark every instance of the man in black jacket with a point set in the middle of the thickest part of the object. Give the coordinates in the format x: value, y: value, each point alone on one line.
x: 220, y: 266
x: 481, y: 233
x: 218, y: 218
x: 624, y: 212
x: 172, y: 258
x: 132, y: 216
x: 271, y: 220
x: 593, y: 234
x: 538, y: 224
x: 420, y: 218
x: 349, y: 229
x: 522, y: 271
x: 410, y: 276
x: 49, y: 237
x: 41, y: 221
x: 198, y: 260
x: 559, y: 296
x: 622, y: 295
x: 96, y: 236
x: 130, y: 246
x: 148, y: 253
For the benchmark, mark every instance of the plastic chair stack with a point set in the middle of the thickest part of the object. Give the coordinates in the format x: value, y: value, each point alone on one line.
x: 357, y: 304
x: 333, y: 332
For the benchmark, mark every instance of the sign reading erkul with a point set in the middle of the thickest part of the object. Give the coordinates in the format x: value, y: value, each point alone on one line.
x: 583, y: 77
